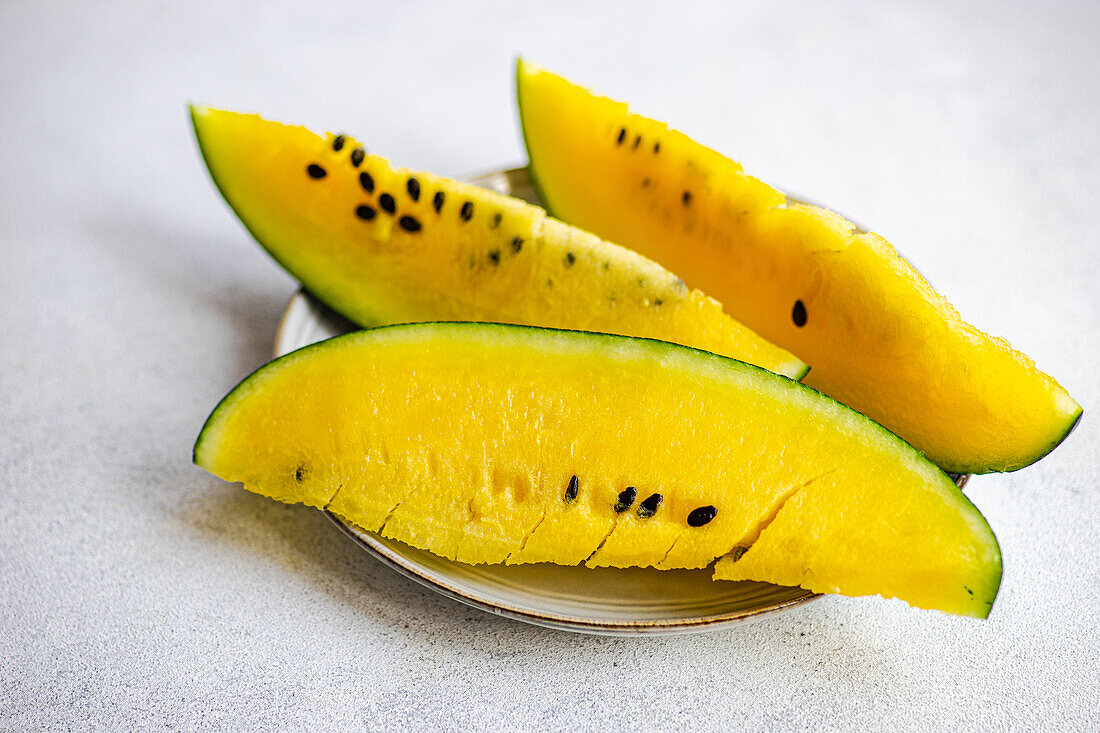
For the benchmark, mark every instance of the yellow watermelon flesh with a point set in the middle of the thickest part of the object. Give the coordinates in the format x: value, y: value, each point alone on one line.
x: 384, y: 245
x: 488, y: 443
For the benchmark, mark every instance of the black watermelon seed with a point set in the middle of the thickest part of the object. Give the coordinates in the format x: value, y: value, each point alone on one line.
x: 413, y: 187
x: 409, y: 224
x: 517, y: 244
x: 300, y: 473
x: 656, y: 147
x: 437, y: 201
x: 701, y: 516
x: 467, y: 211
x: 316, y: 171
x: 798, y: 313
x: 570, y: 258
x: 366, y: 213
x: 658, y: 302
x: 571, y: 489
x: 494, y: 256
x: 649, y: 507
x: 357, y: 156
x: 338, y: 143
x: 622, y: 136
x: 497, y: 218
x: 366, y: 181
x: 686, y: 198
x: 637, y: 141
x: 625, y: 499
x: 645, y: 183
x: 387, y: 203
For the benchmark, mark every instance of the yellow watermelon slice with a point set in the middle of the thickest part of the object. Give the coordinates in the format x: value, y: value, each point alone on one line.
x: 488, y: 443
x: 384, y: 245
x: 876, y: 335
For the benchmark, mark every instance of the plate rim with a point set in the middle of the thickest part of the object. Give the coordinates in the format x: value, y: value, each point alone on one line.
x: 546, y: 619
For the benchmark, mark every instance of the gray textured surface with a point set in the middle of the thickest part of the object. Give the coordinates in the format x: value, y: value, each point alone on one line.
x: 136, y: 591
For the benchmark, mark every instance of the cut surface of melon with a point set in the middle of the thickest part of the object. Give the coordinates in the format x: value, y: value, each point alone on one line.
x: 384, y: 245
x: 876, y: 335
x: 489, y: 443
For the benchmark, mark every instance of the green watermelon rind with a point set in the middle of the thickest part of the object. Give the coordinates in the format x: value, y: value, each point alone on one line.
x: 532, y: 168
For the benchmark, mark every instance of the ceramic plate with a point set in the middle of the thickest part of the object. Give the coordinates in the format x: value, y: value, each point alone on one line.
x: 631, y: 601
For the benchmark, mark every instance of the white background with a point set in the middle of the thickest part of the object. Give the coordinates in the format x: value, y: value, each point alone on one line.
x: 137, y: 591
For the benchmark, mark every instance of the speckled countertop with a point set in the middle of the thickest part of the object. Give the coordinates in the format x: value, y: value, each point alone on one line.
x: 138, y: 592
